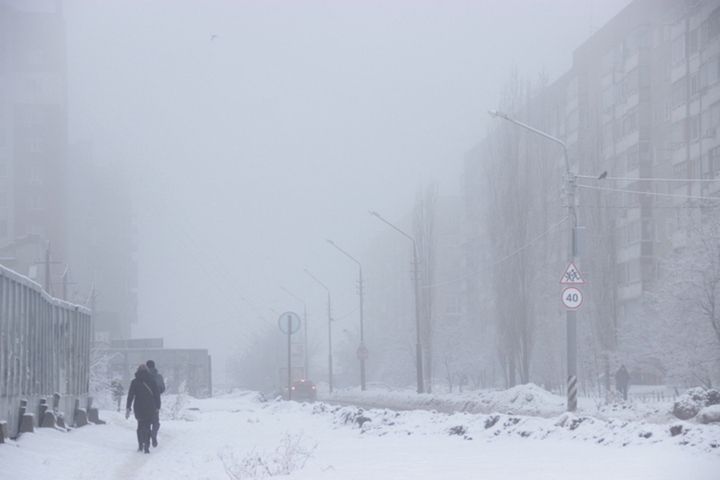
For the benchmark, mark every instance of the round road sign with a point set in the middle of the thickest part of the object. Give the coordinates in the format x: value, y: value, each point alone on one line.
x: 572, y: 297
x: 289, y: 322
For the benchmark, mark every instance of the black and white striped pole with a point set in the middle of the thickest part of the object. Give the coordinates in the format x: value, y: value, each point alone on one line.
x: 573, y: 240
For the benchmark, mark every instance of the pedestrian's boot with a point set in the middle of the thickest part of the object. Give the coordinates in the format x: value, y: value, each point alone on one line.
x: 140, y: 442
x: 154, y: 440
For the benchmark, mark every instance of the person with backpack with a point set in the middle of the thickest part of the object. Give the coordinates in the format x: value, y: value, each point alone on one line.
x: 143, y: 399
x: 160, y: 382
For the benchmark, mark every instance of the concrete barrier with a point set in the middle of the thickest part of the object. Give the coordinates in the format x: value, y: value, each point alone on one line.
x: 48, y: 420
x: 27, y: 423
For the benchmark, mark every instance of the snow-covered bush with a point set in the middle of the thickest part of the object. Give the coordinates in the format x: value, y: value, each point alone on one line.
x: 709, y: 414
x: 292, y: 454
x: 691, y: 402
x: 100, y: 378
x: 174, y: 410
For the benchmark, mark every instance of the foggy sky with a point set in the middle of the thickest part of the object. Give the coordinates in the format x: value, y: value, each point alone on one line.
x: 252, y: 148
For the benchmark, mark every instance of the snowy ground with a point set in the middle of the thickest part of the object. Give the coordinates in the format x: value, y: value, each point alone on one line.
x: 237, y: 435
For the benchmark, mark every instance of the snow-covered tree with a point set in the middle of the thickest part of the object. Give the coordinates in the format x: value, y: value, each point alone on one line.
x: 680, y: 334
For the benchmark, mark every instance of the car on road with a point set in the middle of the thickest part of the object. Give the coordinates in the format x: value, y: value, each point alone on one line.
x: 303, y: 391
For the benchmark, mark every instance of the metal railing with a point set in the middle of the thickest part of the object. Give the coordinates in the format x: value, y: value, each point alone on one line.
x: 44, y: 351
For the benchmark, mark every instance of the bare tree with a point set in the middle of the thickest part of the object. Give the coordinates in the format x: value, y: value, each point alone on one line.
x: 517, y: 175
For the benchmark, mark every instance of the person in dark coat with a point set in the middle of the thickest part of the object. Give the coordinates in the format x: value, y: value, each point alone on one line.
x: 622, y: 381
x: 144, y: 399
x: 160, y: 382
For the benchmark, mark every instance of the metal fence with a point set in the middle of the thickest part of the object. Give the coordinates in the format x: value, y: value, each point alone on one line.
x: 44, y: 351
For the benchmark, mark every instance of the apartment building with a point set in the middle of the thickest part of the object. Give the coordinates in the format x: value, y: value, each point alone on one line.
x: 33, y: 137
x: 639, y: 112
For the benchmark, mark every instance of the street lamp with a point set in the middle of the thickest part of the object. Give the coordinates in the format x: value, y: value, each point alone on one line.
x: 330, y: 362
x: 307, y: 375
x: 571, y: 313
x: 418, y: 352
x: 362, y: 350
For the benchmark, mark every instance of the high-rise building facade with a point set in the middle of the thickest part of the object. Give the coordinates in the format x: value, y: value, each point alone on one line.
x: 639, y: 112
x: 33, y: 133
x: 65, y: 217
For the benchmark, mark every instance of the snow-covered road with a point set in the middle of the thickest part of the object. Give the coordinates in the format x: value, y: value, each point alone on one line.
x: 229, y: 436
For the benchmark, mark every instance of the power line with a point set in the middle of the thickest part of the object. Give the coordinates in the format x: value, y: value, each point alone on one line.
x: 654, y: 207
x: 502, y: 259
x: 655, y: 194
x: 684, y: 180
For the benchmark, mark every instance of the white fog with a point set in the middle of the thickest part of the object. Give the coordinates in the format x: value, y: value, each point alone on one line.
x: 527, y: 188
x: 253, y: 131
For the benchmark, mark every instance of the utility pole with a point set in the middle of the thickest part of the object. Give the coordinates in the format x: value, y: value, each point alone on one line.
x: 330, y: 359
x: 416, y: 280
x: 307, y: 375
x: 571, y: 317
x: 362, y: 351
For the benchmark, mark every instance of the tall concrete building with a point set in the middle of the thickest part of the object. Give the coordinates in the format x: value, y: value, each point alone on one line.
x: 65, y: 219
x: 33, y: 137
x: 640, y: 107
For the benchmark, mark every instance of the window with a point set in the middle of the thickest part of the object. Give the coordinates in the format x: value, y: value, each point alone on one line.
x: 679, y: 92
x: 714, y: 162
x: 694, y: 85
x: 633, y: 156
x: 711, y: 28
x: 679, y: 134
x: 630, y: 123
x: 680, y: 170
x: 608, y: 98
x: 695, y: 168
x: 678, y: 49
x: 693, y: 41
x: 632, y: 81
x: 695, y: 127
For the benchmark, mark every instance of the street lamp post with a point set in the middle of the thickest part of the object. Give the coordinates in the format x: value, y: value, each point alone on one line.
x: 418, y: 350
x: 571, y: 313
x: 307, y: 375
x: 330, y: 361
x: 362, y: 350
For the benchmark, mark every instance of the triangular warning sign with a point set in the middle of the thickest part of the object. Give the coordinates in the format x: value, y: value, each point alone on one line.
x: 572, y: 276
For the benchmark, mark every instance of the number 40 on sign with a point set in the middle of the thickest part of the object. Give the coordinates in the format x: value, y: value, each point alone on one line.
x: 572, y: 297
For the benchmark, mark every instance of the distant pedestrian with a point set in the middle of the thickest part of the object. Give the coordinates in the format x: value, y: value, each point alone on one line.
x: 144, y: 400
x: 160, y: 382
x: 622, y: 381
x: 117, y: 392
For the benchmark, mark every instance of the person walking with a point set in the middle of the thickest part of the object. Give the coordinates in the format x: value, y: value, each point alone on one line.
x: 117, y: 392
x: 144, y: 400
x: 622, y: 381
x: 160, y: 382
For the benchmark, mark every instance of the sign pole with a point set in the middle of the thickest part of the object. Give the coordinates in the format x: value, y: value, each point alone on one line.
x: 289, y: 322
x: 289, y: 334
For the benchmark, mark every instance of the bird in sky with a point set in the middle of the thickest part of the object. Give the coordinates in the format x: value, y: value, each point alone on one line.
x: 602, y: 175
x: 213, y: 37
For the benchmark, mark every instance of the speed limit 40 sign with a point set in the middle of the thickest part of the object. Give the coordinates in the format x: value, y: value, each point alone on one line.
x: 572, y: 297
